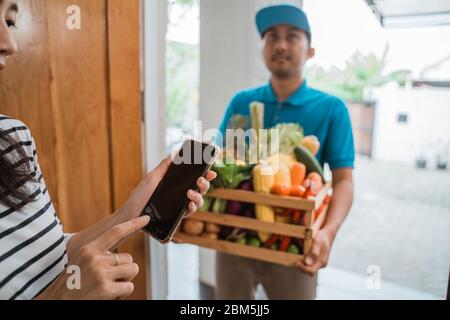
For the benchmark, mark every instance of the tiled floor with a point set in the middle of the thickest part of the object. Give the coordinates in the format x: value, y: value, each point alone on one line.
x: 333, y: 283
x: 183, y: 272
x: 400, y: 223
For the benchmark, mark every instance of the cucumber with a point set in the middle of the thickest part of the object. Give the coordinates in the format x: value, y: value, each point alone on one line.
x: 305, y: 156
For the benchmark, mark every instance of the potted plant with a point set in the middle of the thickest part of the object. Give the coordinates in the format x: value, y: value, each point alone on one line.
x: 442, y: 159
x: 421, y: 160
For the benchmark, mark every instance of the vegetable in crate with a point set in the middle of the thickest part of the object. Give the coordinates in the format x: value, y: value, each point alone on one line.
x: 280, y: 189
x: 212, y: 236
x: 254, y: 242
x: 293, y: 249
x: 284, y: 243
x: 311, y: 143
x: 290, y: 135
x: 236, y: 207
x: 263, y: 180
x: 314, y: 176
x: 232, y: 233
x: 257, y: 120
x: 283, y: 219
x: 239, y: 209
x: 312, y: 188
x: 296, y: 216
x: 298, y: 173
x: 193, y: 227
x: 305, y: 156
x: 297, y: 191
x: 274, y: 247
x: 235, y: 234
x: 287, y: 159
x: 299, y: 242
x: 207, y: 202
x: 225, y: 232
x: 271, y: 241
x: 257, y: 115
x: 283, y: 175
x: 229, y: 176
x: 212, y: 228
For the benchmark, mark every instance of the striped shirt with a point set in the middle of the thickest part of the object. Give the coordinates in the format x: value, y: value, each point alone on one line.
x: 32, y: 243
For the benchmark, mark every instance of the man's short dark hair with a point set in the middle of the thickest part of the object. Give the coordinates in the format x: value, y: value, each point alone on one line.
x: 308, y: 37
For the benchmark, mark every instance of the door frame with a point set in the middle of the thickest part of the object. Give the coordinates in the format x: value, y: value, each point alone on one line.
x: 154, y: 49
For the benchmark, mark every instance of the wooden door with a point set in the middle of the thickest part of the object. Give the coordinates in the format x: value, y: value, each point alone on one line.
x: 79, y: 92
x: 362, y: 115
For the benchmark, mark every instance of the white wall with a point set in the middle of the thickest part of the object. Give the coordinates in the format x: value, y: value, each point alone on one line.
x: 230, y: 61
x: 427, y: 130
x: 230, y: 53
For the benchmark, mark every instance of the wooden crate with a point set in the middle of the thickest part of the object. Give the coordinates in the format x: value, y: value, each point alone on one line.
x: 306, y: 232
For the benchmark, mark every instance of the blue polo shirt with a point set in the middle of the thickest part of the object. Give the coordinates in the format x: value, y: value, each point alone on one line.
x: 320, y: 114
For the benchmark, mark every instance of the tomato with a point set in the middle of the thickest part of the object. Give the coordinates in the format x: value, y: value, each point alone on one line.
x: 314, y: 176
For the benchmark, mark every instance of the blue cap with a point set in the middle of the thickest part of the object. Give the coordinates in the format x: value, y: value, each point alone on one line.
x: 271, y: 16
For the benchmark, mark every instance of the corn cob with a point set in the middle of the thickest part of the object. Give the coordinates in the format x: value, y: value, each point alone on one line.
x: 263, y: 180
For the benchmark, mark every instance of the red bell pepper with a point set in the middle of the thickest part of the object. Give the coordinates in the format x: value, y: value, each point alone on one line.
x: 285, y: 242
x: 296, y: 216
x: 272, y: 240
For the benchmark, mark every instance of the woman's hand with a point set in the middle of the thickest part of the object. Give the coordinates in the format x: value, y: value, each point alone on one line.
x: 142, y: 193
x: 101, y: 275
x: 135, y: 204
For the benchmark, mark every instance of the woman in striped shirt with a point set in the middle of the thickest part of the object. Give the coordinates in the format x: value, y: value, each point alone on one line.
x: 35, y: 254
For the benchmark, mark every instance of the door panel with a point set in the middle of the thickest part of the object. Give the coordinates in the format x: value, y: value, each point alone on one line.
x: 125, y: 115
x: 79, y: 104
x: 25, y: 86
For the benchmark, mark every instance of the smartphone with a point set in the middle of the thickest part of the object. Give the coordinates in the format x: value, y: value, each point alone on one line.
x: 169, y: 202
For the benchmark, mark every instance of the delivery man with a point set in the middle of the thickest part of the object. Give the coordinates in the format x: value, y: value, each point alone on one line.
x: 286, y: 34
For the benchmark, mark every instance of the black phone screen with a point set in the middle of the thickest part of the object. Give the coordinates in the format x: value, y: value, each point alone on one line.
x: 169, y: 202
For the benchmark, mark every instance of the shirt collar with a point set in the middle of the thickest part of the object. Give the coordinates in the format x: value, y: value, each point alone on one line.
x: 297, y: 98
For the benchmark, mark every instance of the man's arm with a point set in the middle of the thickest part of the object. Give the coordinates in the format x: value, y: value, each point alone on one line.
x: 340, y: 205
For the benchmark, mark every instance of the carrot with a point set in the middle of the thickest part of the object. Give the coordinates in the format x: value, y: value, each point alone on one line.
x: 285, y: 242
x: 280, y: 190
x: 297, y: 191
x: 298, y: 173
x: 308, y: 192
